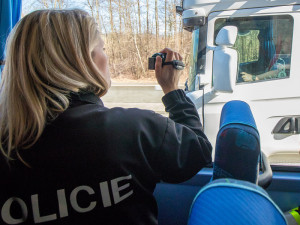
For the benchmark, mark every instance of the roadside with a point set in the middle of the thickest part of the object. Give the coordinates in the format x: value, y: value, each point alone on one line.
x: 151, y: 80
x: 143, y: 94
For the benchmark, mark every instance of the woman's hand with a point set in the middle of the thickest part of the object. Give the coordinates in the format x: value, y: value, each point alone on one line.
x: 167, y: 76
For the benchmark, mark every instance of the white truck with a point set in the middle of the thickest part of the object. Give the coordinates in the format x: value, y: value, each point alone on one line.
x: 248, y: 50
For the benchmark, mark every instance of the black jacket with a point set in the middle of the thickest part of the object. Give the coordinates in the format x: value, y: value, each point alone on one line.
x: 94, y: 165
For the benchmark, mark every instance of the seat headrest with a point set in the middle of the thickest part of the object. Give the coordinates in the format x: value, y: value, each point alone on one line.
x: 237, y: 112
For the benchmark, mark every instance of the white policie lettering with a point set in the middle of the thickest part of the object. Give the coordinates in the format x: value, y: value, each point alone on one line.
x: 62, y: 202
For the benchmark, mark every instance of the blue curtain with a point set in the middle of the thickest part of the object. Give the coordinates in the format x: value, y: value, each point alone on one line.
x: 10, y: 13
x: 267, y: 48
x: 269, y: 44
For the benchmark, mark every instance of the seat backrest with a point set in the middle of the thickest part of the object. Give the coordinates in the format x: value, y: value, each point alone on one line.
x: 237, y: 151
x: 234, y: 202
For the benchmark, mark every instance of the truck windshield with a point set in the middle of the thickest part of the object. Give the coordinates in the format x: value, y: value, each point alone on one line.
x: 264, y: 45
x: 197, y: 63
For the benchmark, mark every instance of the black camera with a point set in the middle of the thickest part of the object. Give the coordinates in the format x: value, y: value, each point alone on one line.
x: 152, y: 60
x: 178, y: 65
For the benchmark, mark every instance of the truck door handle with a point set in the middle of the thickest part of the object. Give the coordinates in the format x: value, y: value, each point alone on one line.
x: 287, y: 125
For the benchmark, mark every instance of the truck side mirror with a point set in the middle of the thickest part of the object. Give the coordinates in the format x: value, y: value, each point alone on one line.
x: 225, y: 60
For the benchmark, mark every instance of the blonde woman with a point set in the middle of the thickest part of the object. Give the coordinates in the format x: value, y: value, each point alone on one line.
x: 66, y: 158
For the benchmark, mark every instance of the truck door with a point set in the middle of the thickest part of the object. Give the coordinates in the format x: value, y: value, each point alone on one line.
x: 268, y: 76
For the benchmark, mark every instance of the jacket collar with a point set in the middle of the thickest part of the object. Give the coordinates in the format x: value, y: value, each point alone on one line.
x: 87, y: 97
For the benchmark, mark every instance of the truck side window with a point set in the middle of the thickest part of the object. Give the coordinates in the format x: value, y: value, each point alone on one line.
x: 264, y: 45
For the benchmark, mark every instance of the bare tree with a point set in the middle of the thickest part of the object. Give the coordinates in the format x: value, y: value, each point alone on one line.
x: 156, y: 24
x: 94, y: 7
x: 175, y: 23
x: 166, y: 22
x: 139, y: 16
x: 147, y: 16
x: 111, y: 17
x: 120, y: 16
x: 46, y: 4
x: 131, y: 36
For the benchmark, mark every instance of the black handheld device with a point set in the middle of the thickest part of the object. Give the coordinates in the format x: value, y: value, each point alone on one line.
x: 177, y: 64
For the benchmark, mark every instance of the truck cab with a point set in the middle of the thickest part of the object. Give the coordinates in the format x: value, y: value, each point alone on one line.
x: 259, y: 67
x: 244, y: 50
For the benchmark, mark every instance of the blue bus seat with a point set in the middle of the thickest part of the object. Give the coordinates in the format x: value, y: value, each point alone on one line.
x: 237, y: 150
x: 234, y: 202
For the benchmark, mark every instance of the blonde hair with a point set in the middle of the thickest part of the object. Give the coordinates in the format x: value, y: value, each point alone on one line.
x: 49, y: 55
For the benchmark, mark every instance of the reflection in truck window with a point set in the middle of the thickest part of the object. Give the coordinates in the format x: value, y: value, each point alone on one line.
x: 264, y: 45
